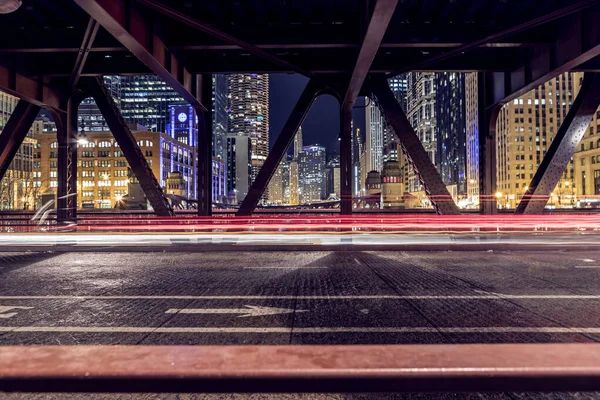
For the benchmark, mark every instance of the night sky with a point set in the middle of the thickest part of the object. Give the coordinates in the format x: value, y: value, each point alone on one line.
x: 322, y: 124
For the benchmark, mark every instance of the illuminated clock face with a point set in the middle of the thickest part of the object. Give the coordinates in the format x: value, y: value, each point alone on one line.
x: 182, y: 117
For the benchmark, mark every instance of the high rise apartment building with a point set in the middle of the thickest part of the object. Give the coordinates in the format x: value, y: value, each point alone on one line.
x: 248, y: 111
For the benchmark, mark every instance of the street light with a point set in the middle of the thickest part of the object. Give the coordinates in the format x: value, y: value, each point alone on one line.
x: 498, y: 195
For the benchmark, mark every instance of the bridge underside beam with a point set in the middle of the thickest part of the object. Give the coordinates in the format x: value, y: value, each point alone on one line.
x: 35, y: 91
x: 411, y: 145
x: 204, y: 166
x: 212, y: 31
x: 578, y: 43
x: 15, y: 131
x: 487, y: 114
x: 66, y: 132
x: 127, y: 143
x: 285, y: 138
x: 133, y: 29
x: 563, y: 147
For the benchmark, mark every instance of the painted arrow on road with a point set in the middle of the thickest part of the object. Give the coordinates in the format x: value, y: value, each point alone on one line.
x: 5, y: 314
x: 249, y: 311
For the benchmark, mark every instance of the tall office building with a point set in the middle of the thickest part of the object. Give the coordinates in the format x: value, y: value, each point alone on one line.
x: 145, y: 100
x: 294, y: 170
x: 298, y: 143
x: 472, y: 138
x: 374, y: 126
x: 399, y: 86
x: 276, y: 186
x: 239, y: 167
x: 525, y: 130
x: 420, y: 111
x: 285, y: 179
x: 219, y: 114
x: 357, y: 148
x: 312, y: 174
x: 450, y: 129
x: 248, y: 111
x: 332, y: 177
x: 89, y: 116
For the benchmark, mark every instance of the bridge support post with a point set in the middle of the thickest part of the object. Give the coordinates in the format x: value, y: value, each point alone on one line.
x: 137, y: 162
x: 285, y: 138
x: 66, y: 125
x: 204, y: 148
x: 15, y: 132
x: 411, y: 145
x: 346, y: 159
x: 487, y: 114
x: 563, y: 146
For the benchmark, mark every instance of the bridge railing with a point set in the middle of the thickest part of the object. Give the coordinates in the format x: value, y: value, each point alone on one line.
x: 306, y: 369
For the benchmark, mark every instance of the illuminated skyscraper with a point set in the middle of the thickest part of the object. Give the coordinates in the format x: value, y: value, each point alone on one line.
x: 312, y: 174
x: 450, y: 129
x: 374, y: 125
x: 248, y: 111
x: 219, y: 115
x: 145, y: 100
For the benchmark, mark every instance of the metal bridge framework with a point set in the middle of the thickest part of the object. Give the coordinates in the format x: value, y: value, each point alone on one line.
x: 346, y: 49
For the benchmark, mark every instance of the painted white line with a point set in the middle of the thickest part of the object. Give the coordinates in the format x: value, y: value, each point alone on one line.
x: 285, y: 267
x: 586, y: 260
x: 284, y: 297
x: 128, y: 329
x: 249, y: 311
x: 587, y: 266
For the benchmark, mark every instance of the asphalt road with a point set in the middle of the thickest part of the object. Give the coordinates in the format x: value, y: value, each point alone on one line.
x: 357, y: 297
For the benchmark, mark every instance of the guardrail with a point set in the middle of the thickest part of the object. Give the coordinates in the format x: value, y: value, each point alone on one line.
x: 292, y: 369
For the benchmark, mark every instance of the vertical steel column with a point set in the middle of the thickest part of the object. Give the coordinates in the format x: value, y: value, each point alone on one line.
x: 67, y: 162
x: 285, y: 138
x: 411, y: 145
x: 205, y: 135
x: 563, y: 146
x: 346, y: 159
x: 487, y: 114
x: 15, y: 132
x: 137, y: 162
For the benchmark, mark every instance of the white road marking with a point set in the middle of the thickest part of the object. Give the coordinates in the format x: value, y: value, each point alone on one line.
x: 249, y: 311
x: 586, y: 260
x: 131, y: 329
x: 494, y: 296
x: 285, y: 267
x: 4, y: 314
